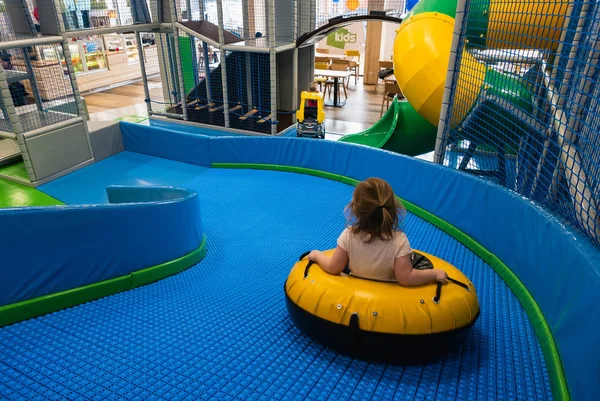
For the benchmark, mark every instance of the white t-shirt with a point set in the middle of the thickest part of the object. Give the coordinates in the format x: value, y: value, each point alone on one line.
x: 373, y: 260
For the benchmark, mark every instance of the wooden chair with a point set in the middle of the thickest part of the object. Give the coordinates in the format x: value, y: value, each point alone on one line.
x: 322, y: 80
x: 321, y: 59
x: 342, y: 65
x: 391, y: 89
x: 384, y: 64
x: 341, y: 61
x: 321, y: 66
x: 322, y: 51
x: 354, y: 63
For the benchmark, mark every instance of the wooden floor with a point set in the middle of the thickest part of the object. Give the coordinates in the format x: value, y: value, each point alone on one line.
x: 115, y: 98
x: 362, y: 106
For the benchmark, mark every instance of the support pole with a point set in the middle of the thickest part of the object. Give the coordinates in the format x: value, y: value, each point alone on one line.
x: 223, y: 63
x: 182, y: 94
x: 8, y: 107
x: 312, y: 23
x: 572, y: 55
x: 452, y: 74
x: 548, y: 82
x: 27, y: 57
x: 563, y: 40
x: 188, y: 4
x: 156, y: 11
x: 295, y: 93
x: 373, y: 45
x: 248, y: 29
x: 584, y: 202
x: 294, y: 21
x: 251, y: 20
x: 267, y: 26
x: 207, y: 71
x: 165, y: 66
x: 78, y: 102
x: 273, y: 65
x: 34, y: 87
x: 69, y: 64
x: 201, y: 8
x: 143, y: 68
x: 179, y: 66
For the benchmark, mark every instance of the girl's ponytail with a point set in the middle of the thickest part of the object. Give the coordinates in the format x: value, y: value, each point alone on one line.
x: 374, y: 210
x: 388, y: 222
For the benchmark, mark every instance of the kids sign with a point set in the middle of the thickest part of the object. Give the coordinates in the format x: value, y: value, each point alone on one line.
x: 343, y: 39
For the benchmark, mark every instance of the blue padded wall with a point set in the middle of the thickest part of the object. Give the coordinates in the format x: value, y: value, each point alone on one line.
x: 165, y: 143
x: 52, y: 249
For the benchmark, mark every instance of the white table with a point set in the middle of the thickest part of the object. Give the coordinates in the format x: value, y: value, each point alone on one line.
x: 336, y: 75
x: 339, y: 56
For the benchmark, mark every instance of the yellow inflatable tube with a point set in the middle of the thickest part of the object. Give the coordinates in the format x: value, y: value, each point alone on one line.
x: 382, y: 320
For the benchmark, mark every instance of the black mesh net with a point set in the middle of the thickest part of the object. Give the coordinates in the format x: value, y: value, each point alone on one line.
x: 40, y: 88
x: 524, y: 104
x: 92, y: 14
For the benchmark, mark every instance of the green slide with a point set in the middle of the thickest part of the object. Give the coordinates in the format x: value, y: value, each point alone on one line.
x: 185, y: 48
x: 400, y: 130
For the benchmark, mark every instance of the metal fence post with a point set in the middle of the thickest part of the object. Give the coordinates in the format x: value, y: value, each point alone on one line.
x: 273, y: 65
x: 142, y: 58
x: 223, y: 63
x: 453, y: 63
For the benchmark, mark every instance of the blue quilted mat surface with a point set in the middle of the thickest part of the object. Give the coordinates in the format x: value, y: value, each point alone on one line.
x: 220, y: 330
x: 88, y: 185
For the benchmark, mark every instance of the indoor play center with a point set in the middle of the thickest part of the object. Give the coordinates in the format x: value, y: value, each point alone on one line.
x: 166, y: 258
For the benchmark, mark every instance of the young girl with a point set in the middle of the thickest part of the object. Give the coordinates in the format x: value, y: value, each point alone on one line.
x: 312, y: 87
x: 372, y: 246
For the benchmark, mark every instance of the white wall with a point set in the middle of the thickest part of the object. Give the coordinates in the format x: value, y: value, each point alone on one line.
x: 388, y: 34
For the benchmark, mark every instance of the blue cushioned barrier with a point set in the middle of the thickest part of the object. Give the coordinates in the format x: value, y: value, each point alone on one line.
x: 206, y: 131
x: 166, y: 143
x: 52, y: 249
x: 558, y: 265
x: 190, y: 129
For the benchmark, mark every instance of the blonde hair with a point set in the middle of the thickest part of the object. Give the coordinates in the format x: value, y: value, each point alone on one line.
x: 374, y: 210
x: 312, y: 87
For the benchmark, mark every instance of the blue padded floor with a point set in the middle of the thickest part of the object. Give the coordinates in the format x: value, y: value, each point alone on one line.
x: 88, y: 185
x: 220, y: 330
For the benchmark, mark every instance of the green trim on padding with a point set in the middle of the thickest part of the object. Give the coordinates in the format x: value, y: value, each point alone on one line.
x: 155, y: 273
x: 35, y: 307
x: 538, y: 321
x: 45, y: 304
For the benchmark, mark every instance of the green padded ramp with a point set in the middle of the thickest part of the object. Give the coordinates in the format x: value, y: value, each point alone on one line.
x: 18, y: 195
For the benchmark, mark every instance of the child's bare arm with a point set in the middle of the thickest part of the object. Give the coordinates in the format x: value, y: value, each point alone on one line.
x: 408, y: 276
x: 332, y: 265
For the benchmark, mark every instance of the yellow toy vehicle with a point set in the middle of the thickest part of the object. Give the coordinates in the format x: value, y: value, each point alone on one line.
x: 310, y: 118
